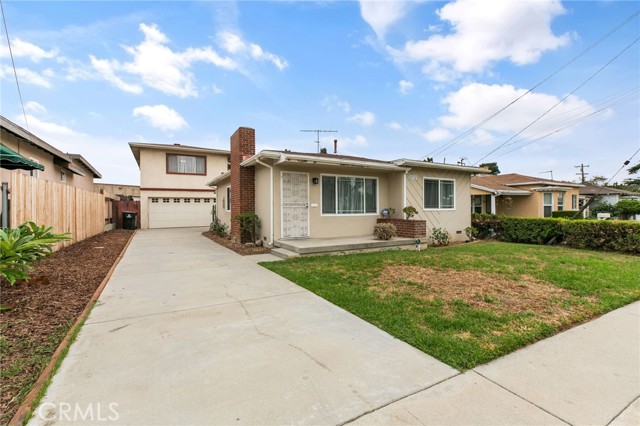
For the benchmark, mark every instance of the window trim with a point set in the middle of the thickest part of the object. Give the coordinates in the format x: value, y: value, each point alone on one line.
x: 227, y: 203
x: 547, y: 205
x: 186, y: 155
x: 336, y: 214
x: 439, y: 208
x: 560, y: 197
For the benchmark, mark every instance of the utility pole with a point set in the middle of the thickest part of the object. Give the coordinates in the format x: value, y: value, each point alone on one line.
x: 582, y: 174
x: 317, y: 132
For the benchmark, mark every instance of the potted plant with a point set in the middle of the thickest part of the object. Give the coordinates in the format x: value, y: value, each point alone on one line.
x: 410, y: 211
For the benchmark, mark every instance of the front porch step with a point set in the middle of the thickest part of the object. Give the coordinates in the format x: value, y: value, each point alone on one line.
x: 336, y: 246
x: 283, y: 253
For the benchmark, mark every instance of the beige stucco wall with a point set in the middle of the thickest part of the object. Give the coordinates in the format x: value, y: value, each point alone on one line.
x: 156, y: 182
x: 224, y: 216
x: 263, y: 202
x: 51, y: 172
x: 532, y: 205
x: 453, y: 220
x: 331, y: 226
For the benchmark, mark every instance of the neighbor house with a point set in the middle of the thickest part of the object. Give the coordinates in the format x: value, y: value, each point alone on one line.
x: 605, y: 195
x: 173, y: 190
x: 70, y: 169
x: 519, y: 195
x: 311, y: 195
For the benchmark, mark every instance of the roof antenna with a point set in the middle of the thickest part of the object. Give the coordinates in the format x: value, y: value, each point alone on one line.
x: 547, y: 171
x: 317, y: 132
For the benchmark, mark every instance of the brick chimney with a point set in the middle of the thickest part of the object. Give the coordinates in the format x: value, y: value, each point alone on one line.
x: 243, y: 183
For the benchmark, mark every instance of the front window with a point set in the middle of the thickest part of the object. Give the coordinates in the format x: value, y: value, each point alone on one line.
x: 349, y: 195
x: 228, y: 200
x: 186, y: 164
x: 476, y: 204
x: 574, y: 202
x: 440, y: 194
x: 560, y: 201
x: 547, y: 203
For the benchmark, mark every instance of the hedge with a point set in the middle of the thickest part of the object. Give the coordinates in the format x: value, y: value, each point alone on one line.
x: 566, y: 214
x: 621, y: 236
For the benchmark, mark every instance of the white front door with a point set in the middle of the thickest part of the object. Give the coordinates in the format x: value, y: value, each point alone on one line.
x: 295, y: 205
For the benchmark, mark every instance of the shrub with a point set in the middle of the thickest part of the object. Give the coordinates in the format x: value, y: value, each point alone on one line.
x: 603, y: 208
x: 628, y: 207
x: 410, y: 211
x: 440, y: 236
x: 621, y: 236
x: 564, y: 214
x: 249, y: 225
x: 384, y: 231
x: 472, y: 233
x: 23, y: 246
x: 609, y: 235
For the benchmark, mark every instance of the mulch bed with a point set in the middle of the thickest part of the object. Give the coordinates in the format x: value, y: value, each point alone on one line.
x: 45, y: 308
x: 241, y: 249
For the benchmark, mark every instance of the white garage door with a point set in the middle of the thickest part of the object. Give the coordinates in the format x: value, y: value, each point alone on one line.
x: 179, y: 212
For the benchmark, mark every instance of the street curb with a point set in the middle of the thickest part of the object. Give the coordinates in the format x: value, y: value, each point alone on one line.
x: 47, y: 373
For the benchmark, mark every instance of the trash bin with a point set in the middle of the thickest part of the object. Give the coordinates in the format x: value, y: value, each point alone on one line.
x: 129, y: 220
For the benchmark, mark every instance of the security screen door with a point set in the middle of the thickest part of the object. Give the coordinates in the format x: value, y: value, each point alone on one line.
x: 295, y: 205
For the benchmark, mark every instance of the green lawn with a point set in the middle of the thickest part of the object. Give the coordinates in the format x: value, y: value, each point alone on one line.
x: 468, y: 304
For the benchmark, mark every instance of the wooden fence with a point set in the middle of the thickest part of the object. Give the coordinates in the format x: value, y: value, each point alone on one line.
x: 64, y: 207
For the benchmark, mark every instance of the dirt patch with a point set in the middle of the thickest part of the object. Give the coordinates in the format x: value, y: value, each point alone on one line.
x: 241, y: 249
x: 480, y: 290
x: 45, y: 308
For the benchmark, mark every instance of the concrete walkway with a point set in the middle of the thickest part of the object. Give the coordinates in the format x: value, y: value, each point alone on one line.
x: 189, y: 333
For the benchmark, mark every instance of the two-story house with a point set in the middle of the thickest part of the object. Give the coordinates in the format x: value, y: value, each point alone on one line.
x: 173, y: 178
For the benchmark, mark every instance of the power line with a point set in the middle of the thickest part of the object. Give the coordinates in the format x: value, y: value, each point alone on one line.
x: 455, y: 140
x: 591, y: 77
x: 15, y: 73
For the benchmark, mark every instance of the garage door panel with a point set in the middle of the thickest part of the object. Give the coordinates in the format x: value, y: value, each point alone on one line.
x: 179, y: 215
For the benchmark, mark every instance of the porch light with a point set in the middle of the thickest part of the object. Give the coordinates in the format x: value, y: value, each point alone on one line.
x: 315, y: 180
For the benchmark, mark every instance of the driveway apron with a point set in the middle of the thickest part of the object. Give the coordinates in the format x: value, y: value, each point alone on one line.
x: 187, y: 332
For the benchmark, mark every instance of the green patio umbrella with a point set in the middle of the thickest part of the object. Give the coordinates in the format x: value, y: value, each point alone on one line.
x: 9, y: 159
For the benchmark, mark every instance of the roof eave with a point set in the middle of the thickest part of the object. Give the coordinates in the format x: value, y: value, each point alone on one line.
x: 285, y: 157
x: 431, y: 165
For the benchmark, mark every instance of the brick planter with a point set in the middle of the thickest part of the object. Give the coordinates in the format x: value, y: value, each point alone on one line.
x: 408, y: 228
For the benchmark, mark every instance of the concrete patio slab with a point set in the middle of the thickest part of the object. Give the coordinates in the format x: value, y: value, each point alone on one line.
x: 467, y: 399
x: 217, y: 339
x: 586, y: 375
x: 630, y: 416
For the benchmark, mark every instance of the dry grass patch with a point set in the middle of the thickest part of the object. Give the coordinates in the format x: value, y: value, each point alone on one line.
x: 480, y: 290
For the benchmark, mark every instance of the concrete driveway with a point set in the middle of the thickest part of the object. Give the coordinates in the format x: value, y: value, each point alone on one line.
x: 189, y: 333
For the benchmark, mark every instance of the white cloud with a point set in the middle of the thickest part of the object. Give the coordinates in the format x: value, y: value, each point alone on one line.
x: 405, y: 86
x: 235, y: 45
x: 437, y: 134
x: 381, y: 15
x: 28, y: 76
x: 483, y: 33
x: 332, y: 102
x: 35, y: 107
x: 365, y: 118
x: 394, y: 125
x: 474, y: 102
x: 25, y: 49
x: 159, y: 67
x: 106, y: 69
x: 161, y: 117
x: 112, y: 158
x: 358, y: 140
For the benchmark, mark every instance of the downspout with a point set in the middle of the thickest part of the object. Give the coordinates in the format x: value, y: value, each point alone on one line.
x: 270, y: 199
x: 404, y: 188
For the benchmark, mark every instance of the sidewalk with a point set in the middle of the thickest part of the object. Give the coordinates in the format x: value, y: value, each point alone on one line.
x: 189, y: 333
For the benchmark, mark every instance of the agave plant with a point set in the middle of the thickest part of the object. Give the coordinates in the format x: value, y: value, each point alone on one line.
x: 23, y: 246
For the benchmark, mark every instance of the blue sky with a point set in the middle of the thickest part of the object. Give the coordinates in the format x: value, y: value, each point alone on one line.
x: 396, y: 79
